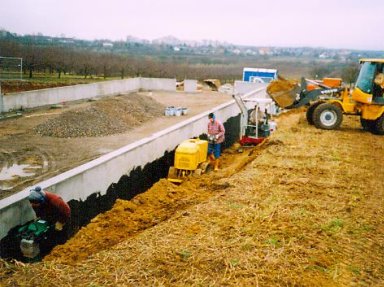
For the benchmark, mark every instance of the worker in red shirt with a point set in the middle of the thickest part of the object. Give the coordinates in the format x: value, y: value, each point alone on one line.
x: 53, y: 209
x: 50, y: 207
x: 216, y: 137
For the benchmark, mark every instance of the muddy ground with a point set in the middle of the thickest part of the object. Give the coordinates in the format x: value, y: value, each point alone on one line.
x: 305, y: 208
x: 47, y: 141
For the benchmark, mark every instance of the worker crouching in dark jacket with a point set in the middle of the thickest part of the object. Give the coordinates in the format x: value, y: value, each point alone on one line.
x: 53, y: 209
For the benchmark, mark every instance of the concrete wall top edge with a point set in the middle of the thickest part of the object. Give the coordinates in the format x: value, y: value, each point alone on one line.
x: 71, y: 86
x: 78, y: 183
x: 49, y: 96
x: 251, y: 93
x: 5, y: 202
x: 105, y: 158
x: 157, y: 78
x: 80, y: 169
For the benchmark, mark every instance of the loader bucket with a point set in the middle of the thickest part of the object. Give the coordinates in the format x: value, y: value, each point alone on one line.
x: 283, y: 92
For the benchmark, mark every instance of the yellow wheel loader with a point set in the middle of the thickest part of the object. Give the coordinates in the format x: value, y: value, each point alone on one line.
x: 190, y: 159
x: 329, y: 100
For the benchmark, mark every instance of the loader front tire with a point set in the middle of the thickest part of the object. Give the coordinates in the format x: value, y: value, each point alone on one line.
x: 327, y: 116
x: 310, y: 110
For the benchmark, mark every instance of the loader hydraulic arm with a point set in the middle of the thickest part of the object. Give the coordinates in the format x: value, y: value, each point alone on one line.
x: 290, y: 96
x: 308, y: 96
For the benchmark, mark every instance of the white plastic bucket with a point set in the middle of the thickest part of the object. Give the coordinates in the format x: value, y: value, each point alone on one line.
x: 272, y: 126
x: 169, y: 111
x: 178, y: 112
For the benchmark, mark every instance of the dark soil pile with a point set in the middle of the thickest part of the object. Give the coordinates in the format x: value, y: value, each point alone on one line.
x: 22, y: 86
x: 103, y: 117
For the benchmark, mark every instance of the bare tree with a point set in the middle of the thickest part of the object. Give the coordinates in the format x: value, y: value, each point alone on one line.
x: 350, y: 73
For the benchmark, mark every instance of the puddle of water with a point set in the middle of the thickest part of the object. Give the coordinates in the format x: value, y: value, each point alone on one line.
x: 9, y: 173
x: 6, y: 186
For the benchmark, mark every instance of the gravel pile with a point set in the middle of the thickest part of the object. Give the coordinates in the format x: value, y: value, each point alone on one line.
x: 103, y: 117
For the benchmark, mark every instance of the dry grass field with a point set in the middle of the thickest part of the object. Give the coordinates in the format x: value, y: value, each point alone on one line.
x: 304, y: 208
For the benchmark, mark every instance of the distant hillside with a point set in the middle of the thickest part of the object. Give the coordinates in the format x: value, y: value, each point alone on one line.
x: 166, y: 57
x: 172, y: 44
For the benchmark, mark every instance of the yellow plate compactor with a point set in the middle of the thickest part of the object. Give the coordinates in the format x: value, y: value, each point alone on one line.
x: 190, y: 159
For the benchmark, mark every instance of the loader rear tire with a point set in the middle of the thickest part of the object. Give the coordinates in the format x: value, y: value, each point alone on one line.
x: 368, y: 125
x: 310, y: 111
x: 379, y: 126
x: 327, y: 116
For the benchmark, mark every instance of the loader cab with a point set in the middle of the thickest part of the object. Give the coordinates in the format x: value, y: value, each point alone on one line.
x: 366, y: 90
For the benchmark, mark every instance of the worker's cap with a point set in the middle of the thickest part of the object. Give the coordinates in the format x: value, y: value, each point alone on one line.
x: 36, y: 195
x: 211, y: 116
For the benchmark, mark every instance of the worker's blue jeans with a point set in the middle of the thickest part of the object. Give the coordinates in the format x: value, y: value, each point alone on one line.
x: 215, y: 149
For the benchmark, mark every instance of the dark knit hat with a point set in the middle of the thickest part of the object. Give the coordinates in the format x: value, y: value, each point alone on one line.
x: 36, y: 195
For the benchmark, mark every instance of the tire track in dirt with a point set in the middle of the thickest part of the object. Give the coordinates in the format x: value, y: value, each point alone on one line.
x: 366, y: 247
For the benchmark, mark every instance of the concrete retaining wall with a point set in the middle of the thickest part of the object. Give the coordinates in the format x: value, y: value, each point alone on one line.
x: 158, y: 84
x: 251, y: 92
x: 242, y: 88
x: 94, y: 178
x: 1, y: 102
x: 190, y: 86
x: 32, y: 99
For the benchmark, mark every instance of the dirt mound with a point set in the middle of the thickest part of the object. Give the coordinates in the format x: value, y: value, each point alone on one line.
x: 22, y: 86
x: 103, y: 117
x: 162, y: 201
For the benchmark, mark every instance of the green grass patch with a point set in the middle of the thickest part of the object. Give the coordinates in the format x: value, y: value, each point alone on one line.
x: 335, y: 225
x: 184, y: 254
x: 273, y: 241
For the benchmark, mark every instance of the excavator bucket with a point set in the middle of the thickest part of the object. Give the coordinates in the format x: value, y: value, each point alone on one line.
x: 283, y: 92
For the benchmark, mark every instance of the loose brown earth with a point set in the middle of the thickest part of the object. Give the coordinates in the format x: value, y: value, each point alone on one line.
x: 52, y: 140
x: 8, y: 87
x: 305, y: 208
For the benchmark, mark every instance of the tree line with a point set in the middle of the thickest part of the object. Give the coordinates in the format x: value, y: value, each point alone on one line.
x: 62, y: 60
x: 65, y: 60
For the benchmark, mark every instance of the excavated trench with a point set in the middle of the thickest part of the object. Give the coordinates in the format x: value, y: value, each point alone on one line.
x: 136, y: 182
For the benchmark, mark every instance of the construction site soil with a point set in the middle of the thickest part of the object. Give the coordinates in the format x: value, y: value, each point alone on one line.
x: 47, y: 141
x: 15, y: 86
x: 304, y: 208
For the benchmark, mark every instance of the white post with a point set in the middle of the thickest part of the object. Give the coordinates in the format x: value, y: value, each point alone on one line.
x: 1, y: 100
x: 21, y: 68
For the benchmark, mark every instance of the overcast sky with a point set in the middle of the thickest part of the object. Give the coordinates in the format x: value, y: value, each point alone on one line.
x: 353, y: 24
